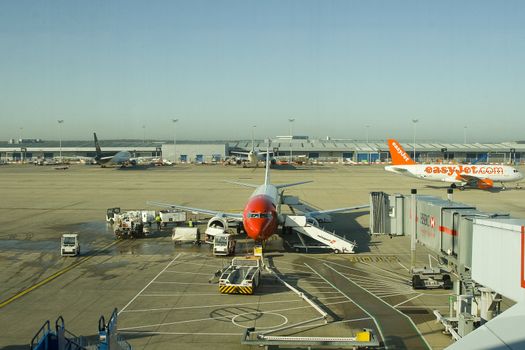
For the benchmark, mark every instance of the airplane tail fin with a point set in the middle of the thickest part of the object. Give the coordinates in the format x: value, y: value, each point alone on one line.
x: 398, y: 154
x: 97, y: 146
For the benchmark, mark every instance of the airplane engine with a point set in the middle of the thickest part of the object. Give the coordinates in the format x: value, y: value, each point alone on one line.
x: 218, y: 222
x: 485, y: 184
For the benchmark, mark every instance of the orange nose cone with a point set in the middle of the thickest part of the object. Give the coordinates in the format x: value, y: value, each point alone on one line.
x: 260, y: 218
x: 255, y: 228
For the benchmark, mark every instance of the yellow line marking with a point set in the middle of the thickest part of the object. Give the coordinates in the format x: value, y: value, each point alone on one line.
x: 53, y: 276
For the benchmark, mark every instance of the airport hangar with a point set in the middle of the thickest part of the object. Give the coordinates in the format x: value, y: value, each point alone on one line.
x: 322, y: 150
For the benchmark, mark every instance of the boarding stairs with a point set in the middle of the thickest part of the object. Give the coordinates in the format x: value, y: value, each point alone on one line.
x: 301, y: 225
x: 62, y: 339
x: 301, y: 207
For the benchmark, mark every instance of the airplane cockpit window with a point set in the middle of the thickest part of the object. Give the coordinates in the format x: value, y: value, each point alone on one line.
x: 259, y: 215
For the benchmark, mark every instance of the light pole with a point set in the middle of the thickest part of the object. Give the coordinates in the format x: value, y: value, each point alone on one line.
x: 367, y: 127
x: 415, y: 122
x: 291, y: 120
x: 143, y: 133
x: 174, y: 140
x: 465, y: 134
x: 253, y: 137
x: 60, y: 122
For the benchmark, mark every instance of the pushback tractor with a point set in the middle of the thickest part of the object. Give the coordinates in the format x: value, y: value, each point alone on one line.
x: 242, y: 276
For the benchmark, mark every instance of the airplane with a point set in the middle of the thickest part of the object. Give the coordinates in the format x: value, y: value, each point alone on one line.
x: 251, y: 158
x: 121, y: 158
x: 261, y: 215
x: 458, y: 175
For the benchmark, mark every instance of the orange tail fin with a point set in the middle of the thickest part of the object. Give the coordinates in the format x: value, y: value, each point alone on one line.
x: 398, y: 154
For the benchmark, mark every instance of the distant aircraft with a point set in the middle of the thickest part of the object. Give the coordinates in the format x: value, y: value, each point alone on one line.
x: 458, y: 175
x: 121, y: 158
x: 261, y: 215
x: 253, y: 157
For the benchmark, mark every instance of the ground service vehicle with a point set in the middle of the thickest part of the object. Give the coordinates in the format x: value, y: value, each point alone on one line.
x: 111, y: 213
x: 242, y: 276
x: 69, y: 245
x: 430, y: 278
x: 224, y: 244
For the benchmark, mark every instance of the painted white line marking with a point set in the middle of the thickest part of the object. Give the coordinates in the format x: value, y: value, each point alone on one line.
x: 215, y: 305
x: 335, y: 322
x: 406, y: 301
x: 384, y: 302
x: 356, y: 304
x: 396, y: 277
x: 192, y: 283
x: 190, y: 273
x: 223, y: 317
x: 178, y: 333
x: 183, y: 295
x: 382, y: 296
x: 403, y: 266
x: 147, y: 285
x: 285, y: 319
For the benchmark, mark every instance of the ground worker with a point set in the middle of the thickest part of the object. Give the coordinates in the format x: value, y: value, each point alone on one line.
x: 190, y: 223
x: 158, y: 221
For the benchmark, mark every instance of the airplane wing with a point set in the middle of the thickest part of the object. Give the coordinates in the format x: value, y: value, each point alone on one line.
x: 242, y: 184
x: 236, y: 216
x: 293, y: 184
x: 329, y: 211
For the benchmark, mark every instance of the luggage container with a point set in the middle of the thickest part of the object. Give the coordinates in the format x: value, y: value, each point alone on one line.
x: 172, y: 217
x: 186, y: 235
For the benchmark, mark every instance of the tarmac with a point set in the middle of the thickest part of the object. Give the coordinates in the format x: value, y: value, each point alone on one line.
x: 163, y: 292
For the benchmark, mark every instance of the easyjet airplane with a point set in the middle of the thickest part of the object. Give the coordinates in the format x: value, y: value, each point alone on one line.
x: 261, y: 215
x: 458, y: 175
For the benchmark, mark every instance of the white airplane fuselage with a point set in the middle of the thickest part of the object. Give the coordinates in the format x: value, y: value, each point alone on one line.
x: 453, y: 173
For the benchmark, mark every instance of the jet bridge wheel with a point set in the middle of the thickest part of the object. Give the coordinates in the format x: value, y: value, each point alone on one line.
x: 447, y: 282
x: 417, y: 282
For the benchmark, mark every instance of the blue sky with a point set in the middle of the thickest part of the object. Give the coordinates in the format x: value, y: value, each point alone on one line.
x: 221, y: 67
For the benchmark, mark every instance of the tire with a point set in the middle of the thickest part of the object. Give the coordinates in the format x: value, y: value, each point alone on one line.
x: 462, y: 188
x: 447, y: 282
x: 336, y: 251
x: 417, y: 283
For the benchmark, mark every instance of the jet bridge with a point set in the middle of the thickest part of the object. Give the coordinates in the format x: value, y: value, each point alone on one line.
x: 330, y: 240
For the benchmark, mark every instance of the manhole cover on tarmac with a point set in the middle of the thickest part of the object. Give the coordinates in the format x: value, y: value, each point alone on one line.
x: 264, y: 320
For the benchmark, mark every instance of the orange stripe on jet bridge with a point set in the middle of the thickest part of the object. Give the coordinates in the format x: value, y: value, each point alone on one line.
x: 448, y: 231
x: 522, y: 256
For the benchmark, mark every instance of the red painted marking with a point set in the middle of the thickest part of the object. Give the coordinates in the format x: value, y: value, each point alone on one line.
x: 448, y: 231
x: 522, y: 256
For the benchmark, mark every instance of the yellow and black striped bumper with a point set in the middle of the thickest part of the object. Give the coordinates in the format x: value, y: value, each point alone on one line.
x: 227, y: 289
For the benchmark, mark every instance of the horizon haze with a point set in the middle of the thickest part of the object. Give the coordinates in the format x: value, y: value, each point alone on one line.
x: 344, y: 69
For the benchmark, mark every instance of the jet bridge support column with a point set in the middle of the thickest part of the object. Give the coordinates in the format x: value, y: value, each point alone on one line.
x: 413, y: 225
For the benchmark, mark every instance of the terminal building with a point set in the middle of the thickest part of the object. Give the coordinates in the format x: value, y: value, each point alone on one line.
x: 296, y: 147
